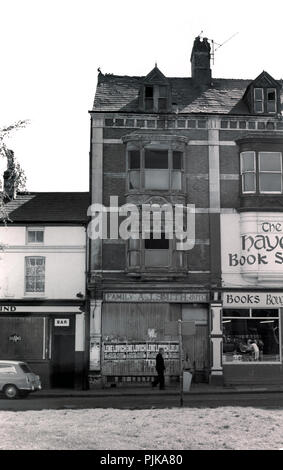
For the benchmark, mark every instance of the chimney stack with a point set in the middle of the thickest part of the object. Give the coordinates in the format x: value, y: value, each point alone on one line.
x: 200, y: 62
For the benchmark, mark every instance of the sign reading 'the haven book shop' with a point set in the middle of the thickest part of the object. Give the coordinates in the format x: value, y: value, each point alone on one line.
x: 252, y: 248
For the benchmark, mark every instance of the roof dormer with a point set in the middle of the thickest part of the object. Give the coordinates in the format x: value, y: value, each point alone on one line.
x: 263, y: 95
x: 155, y: 92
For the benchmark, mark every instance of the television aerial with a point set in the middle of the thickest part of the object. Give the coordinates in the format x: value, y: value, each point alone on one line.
x: 215, y: 46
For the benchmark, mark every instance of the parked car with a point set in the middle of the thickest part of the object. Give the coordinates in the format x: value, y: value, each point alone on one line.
x: 17, y: 379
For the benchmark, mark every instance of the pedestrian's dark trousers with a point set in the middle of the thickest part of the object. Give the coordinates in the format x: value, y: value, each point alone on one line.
x: 159, y: 379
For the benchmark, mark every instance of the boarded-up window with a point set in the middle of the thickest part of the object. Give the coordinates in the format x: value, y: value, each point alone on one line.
x: 22, y: 338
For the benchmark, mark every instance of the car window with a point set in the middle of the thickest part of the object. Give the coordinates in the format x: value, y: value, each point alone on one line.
x: 7, y: 369
x: 25, y: 368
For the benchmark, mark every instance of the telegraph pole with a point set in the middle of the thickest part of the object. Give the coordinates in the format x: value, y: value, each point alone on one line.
x: 180, y: 360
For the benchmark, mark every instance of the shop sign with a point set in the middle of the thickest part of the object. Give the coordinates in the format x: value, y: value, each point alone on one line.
x: 252, y: 299
x: 156, y: 297
x: 7, y: 308
x: 39, y: 308
x: 62, y: 322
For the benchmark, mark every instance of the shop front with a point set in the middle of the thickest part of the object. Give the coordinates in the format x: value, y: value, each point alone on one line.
x: 252, y: 337
x: 134, y: 325
x: 50, y: 338
x: 252, y: 297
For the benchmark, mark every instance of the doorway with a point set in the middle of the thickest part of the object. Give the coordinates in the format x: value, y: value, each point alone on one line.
x: 63, y: 353
x: 196, y: 346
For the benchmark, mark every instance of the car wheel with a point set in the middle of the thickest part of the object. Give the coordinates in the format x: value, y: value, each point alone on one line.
x: 11, y: 391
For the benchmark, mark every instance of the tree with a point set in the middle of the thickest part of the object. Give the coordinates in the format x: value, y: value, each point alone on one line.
x: 15, y: 174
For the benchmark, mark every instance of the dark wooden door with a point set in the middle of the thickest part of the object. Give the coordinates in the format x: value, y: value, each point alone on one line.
x: 63, y: 353
x: 63, y: 361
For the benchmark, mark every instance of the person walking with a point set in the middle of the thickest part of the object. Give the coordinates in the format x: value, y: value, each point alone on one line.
x: 160, y: 369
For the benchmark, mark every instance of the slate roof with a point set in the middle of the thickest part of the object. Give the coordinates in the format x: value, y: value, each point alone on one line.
x: 224, y: 96
x: 49, y: 207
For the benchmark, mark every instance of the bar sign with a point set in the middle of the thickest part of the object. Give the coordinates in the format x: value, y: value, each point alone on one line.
x: 62, y: 322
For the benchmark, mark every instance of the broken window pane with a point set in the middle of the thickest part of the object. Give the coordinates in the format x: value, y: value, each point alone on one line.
x: 156, y: 159
x: 134, y: 159
x: 177, y: 160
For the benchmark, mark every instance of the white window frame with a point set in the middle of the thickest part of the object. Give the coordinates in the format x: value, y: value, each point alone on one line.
x: 272, y: 172
x: 243, y: 363
x: 259, y: 100
x: 34, y: 229
x: 34, y: 293
x: 244, y: 172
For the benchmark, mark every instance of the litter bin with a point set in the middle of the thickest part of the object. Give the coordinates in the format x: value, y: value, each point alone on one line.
x: 187, y: 379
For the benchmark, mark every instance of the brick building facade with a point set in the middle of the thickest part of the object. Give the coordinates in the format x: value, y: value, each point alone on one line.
x: 216, y: 144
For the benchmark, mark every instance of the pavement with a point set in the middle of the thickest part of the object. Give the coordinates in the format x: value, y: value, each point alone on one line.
x: 196, y: 389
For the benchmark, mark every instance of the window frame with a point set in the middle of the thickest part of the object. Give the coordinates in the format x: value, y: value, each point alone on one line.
x: 156, y: 96
x: 258, y: 172
x: 142, y: 169
x: 34, y: 292
x: 253, y: 317
x: 243, y: 173
x: 264, y: 100
x: 34, y: 229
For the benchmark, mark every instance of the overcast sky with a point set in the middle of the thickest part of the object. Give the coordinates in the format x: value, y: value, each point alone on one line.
x: 51, y: 49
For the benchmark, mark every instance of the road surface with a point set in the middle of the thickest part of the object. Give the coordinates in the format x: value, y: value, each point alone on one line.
x: 35, y: 402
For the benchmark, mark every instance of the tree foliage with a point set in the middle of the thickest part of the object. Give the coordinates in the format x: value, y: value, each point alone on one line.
x: 16, y: 173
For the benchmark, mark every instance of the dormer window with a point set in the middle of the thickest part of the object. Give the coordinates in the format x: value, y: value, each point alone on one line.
x: 155, y: 92
x: 156, y: 97
x: 265, y: 100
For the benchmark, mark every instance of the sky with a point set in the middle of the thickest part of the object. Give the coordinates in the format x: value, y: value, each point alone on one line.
x: 51, y: 50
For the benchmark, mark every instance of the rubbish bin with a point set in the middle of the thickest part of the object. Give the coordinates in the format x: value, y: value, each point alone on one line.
x: 187, y: 379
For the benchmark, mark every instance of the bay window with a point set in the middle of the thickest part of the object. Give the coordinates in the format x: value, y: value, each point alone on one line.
x: 261, y: 172
x: 155, y: 168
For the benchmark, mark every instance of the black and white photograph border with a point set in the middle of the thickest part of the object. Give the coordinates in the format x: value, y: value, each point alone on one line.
x: 141, y: 231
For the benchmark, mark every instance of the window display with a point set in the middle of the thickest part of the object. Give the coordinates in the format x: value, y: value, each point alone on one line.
x: 251, y: 335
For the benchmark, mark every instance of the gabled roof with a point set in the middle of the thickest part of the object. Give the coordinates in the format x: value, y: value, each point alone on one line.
x: 224, y: 96
x: 264, y: 80
x: 53, y: 207
x: 155, y: 76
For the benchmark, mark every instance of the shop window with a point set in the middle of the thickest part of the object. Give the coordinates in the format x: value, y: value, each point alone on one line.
x: 265, y: 100
x: 34, y: 274
x: 160, y: 169
x: 251, y: 335
x: 35, y: 235
x: 261, y: 172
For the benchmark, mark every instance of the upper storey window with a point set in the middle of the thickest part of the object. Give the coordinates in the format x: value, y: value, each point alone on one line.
x: 265, y: 100
x: 155, y: 92
x: 155, y: 168
x: 156, y: 98
x: 261, y: 172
